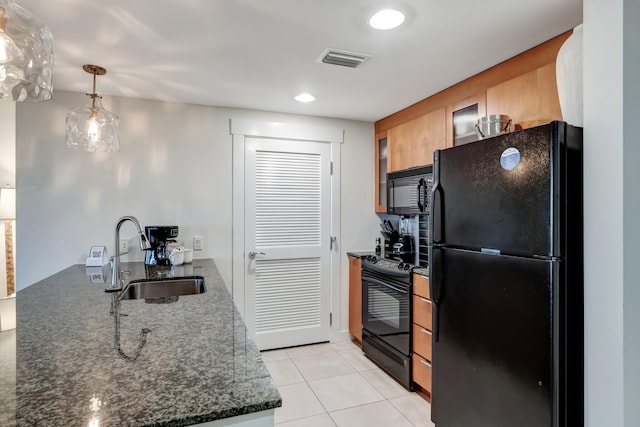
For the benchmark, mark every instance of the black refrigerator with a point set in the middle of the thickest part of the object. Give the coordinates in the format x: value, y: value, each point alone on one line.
x: 506, y: 279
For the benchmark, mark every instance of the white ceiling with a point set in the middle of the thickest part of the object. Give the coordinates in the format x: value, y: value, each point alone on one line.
x: 258, y: 54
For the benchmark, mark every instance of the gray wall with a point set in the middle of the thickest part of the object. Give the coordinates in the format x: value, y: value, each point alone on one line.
x: 631, y: 212
x: 612, y: 209
x: 174, y: 167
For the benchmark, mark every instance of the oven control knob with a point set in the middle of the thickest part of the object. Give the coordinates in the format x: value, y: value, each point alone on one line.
x: 401, y: 266
x: 407, y: 266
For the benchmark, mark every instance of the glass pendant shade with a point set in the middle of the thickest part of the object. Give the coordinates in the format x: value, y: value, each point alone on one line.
x: 26, y: 55
x: 91, y: 127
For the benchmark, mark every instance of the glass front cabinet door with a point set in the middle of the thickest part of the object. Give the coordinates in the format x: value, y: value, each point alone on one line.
x: 381, y: 173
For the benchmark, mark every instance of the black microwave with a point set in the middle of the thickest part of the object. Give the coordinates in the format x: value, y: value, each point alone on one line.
x: 409, y: 191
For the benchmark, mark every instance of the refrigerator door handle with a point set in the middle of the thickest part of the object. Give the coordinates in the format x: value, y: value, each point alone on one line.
x: 435, y: 322
x: 437, y: 202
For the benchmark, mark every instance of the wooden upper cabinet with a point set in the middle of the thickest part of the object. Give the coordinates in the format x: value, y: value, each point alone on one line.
x: 523, y: 87
x: 530, y: 99
x: 412, y: 143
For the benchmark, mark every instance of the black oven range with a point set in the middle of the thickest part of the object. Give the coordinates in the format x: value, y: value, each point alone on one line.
x: 386, y: 315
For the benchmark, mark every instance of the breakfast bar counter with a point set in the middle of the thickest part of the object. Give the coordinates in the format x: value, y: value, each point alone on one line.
x: 198, y: 363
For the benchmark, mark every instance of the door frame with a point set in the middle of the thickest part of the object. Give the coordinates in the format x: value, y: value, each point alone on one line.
x: 242, y: 129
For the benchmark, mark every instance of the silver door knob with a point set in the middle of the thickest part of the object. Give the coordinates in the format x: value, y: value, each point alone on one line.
x: 252, y: 254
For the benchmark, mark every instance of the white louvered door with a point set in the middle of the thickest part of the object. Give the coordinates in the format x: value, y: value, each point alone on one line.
x: 287, y: 223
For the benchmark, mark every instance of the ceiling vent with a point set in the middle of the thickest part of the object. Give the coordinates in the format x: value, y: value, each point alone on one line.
x: 343, y: 58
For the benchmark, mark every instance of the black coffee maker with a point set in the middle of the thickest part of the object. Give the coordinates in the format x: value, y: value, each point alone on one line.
x: 160, y: 236
x: 404, y: 249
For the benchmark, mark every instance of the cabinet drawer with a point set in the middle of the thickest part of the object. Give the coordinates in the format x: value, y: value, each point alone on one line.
x: 422, y: 311
x: 421, y: 286
x: 422, y: 341
x: 422, y: 372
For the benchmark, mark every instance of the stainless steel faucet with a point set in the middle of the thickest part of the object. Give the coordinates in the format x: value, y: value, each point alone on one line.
x: 117, y: 290
x: 116, y: 285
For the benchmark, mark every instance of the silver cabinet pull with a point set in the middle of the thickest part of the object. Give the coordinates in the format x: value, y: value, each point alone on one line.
x: 253, y: 254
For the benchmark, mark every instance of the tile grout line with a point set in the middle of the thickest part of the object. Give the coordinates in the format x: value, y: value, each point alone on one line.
x: 355, y: 370
x: 384, y: 398
x: 307, y: 382
x: 333, y: 420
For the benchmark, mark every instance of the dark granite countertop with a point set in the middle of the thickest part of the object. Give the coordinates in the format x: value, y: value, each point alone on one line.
x: 360, y: 254
x: 198, y: 364
x: 421, y: 270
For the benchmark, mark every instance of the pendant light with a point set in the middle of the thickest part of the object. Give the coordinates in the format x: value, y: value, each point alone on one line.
x: 26, y: 55
x: 92, y: 127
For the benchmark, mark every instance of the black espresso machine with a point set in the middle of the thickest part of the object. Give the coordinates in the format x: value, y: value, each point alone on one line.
x: 160, y: 237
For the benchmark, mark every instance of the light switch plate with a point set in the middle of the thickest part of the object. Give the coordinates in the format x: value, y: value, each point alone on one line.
x: 124, y: 246
x: 198, y: 243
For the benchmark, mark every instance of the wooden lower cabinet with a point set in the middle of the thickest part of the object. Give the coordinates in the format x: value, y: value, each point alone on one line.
x: 422, y: 311
x: 355, y: 298
x: 421, y: 286
x: 422, y: 372
x: 422, y: 341
x: 421, y: 330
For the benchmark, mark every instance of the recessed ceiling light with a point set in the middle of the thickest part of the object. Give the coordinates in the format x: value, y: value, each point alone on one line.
x: 386, y: 19
x: 305, y: 97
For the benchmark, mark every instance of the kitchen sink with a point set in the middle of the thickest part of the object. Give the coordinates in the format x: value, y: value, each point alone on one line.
x: 163, y: 288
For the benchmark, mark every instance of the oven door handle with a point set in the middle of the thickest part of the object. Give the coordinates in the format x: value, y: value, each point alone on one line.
x: 386, y: 285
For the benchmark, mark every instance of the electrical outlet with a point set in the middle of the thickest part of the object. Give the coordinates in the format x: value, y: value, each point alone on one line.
x: 124, y: 246
x: 198, y: 243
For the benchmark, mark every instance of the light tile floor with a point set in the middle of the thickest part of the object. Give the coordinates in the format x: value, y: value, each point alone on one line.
x: 335, y: 384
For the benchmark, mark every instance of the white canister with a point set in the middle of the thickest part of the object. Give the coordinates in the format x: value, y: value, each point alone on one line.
x: 569, y: 78
x: 177, y: 256
x: 188, y: 255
